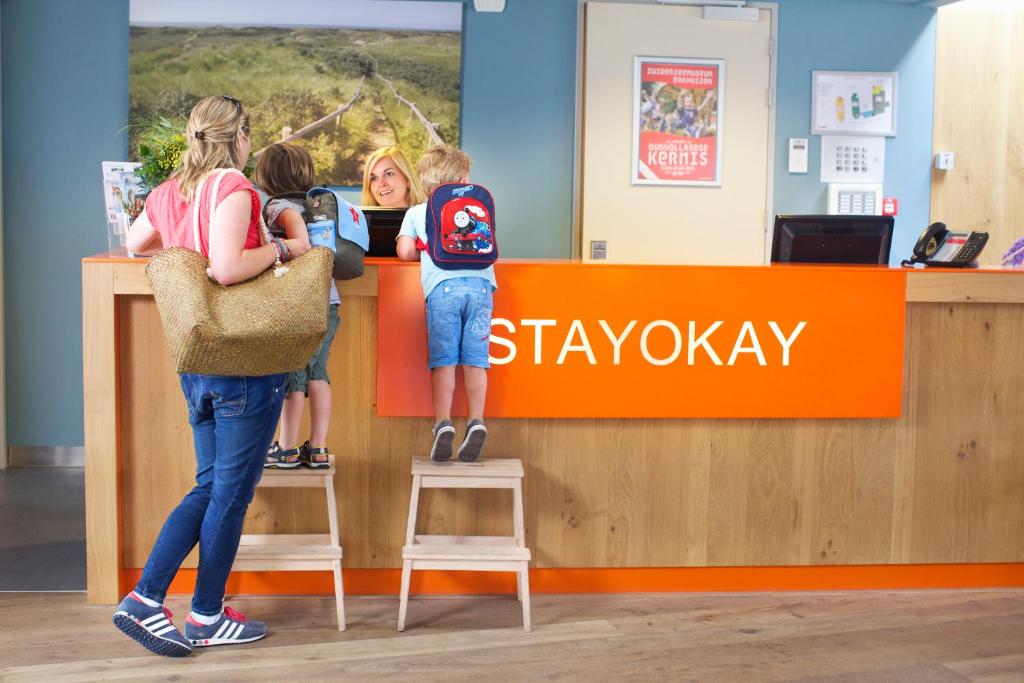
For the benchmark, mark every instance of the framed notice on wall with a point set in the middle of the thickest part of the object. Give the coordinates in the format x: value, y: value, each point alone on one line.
x: 678, y: 107
x: 853, y: 102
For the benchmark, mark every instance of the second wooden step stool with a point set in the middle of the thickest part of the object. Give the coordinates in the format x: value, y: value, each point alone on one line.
x: 298, y: 552
x: 470, y: 553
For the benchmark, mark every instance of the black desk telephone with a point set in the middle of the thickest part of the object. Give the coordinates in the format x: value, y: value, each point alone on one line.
x: 938, y: 246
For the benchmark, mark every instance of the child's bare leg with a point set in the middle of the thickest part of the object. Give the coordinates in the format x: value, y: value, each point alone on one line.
x: 319, y: 412
x: 476, y: 431
x: 442, y: 384
x: 476, y: 390
x: 291, y: 418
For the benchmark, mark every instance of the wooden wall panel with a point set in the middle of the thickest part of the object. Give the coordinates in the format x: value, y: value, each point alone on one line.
x: 849, y: 491
x: 99, y: 359
x: 968, y: 470
x: 979, y: 102
x: 943, y: 483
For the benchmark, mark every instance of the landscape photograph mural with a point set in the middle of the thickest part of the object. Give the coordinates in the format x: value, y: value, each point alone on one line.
x: 340, y: 79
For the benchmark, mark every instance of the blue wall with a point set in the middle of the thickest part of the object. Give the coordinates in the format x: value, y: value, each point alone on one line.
x: 518, y: 119
x: 65, y: 101
x: 834, y: 35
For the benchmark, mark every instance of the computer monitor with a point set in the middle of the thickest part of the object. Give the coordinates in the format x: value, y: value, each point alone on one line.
x: 383, y: 225
x: 832, y: 239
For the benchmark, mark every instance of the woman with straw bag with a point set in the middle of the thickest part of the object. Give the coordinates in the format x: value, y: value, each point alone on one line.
x: 232, y: 417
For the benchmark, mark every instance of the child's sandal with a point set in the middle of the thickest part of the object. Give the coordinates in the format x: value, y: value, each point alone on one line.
x: 314, y: 458
x: 278, y: 459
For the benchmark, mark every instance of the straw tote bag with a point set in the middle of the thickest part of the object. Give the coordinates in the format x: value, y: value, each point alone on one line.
x: 270, y: 324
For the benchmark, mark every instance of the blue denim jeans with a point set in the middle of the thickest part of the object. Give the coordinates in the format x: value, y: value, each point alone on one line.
x: 233, y: 421
x: 459, y: 323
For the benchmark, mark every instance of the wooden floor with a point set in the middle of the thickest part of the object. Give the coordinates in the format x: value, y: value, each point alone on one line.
x: 854, y: 636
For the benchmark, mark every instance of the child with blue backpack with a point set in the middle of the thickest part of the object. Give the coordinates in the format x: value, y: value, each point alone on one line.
x: 285, y: 172
x: 458, y: 284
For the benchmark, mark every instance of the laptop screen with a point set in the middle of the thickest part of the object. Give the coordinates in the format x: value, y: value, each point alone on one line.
x: 383, y: 225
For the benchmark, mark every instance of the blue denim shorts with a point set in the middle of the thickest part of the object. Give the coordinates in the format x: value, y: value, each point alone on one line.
x: 459, y: 323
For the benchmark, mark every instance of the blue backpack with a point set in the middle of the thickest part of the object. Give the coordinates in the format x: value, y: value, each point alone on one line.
x: 334, y: 223
x: 343, y: 227
x: 460, y: 227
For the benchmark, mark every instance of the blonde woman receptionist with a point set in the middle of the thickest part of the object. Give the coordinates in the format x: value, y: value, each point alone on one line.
x: 390, y: 181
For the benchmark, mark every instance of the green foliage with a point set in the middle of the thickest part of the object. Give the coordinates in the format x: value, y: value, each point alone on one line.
x: 344, y: 60
x: 441, y: 83
x: 161, y: 145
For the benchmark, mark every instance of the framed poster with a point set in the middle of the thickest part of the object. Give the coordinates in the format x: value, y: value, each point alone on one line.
x: 678, y: 107
x: 853, y: 102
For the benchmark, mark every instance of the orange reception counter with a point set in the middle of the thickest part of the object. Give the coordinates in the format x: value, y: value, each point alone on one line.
x: 681, y: 428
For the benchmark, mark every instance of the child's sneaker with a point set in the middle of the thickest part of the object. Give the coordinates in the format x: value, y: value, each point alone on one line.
x: 151, y: 627
x: 476, y: 434
x: 314, y: 458
x: 232, y: 628
x: 444, y: 436
x: 279, y: 459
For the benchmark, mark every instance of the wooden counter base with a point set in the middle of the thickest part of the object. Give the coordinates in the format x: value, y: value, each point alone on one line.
x: 713, y: 501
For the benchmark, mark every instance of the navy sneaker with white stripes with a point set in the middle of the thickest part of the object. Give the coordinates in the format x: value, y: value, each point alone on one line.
x: 444, y: 435
x: 151, y: 627
x: 232, y: 628
x: 476, y: 434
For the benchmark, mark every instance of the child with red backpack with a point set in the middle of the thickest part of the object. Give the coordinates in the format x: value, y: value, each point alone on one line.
x: 452, y: 236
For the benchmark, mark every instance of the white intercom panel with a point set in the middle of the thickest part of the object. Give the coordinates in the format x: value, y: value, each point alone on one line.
x: 855, y: 199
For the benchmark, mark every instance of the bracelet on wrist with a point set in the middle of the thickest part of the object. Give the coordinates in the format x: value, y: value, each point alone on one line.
x: 278, y: 252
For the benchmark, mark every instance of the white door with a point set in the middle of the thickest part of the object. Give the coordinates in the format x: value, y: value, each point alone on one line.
x: 705, y: 224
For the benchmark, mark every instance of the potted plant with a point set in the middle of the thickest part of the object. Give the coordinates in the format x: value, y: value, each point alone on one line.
x: 161, y: 144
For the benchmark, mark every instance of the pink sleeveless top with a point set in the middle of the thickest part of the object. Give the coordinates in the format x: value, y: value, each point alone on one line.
x: 171, y: 215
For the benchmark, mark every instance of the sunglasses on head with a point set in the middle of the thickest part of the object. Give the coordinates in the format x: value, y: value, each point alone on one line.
x: 238, y: 109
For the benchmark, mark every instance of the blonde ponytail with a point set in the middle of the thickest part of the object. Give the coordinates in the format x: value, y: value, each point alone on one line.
x: 212, y: 138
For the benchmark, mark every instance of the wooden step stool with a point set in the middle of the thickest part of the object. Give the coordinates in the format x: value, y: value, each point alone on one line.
x: 298, y: 552
x: 470, y: 553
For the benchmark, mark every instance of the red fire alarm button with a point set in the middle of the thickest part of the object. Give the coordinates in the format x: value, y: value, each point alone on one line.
x: 890, y: 206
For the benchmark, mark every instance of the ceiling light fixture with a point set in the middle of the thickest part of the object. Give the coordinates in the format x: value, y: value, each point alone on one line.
x: 716, y: 3
x: 489, y: 5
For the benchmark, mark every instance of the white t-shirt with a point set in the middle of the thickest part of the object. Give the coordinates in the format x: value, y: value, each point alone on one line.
x: 415, y: 225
